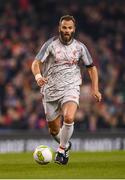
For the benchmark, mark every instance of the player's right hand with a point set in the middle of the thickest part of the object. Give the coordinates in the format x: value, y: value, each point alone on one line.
x: 41, y: 81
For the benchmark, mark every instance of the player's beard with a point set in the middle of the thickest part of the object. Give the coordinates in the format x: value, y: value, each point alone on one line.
x: 66, y: 39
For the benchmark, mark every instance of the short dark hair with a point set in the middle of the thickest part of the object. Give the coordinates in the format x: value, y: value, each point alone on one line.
x: 67, y: 18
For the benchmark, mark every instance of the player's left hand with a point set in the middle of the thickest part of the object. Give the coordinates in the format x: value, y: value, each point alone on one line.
x: 97, y: 95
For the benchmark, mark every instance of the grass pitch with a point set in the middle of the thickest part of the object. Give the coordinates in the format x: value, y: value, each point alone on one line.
x: 81, y: 165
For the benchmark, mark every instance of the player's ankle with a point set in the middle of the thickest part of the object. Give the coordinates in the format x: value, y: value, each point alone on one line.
x: 61, y: 149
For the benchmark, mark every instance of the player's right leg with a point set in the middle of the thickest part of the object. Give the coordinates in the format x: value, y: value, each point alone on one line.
x: 55, y: 128
x: 53, y: 117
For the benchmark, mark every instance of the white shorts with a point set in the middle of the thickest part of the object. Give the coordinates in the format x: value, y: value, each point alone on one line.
x: 53, y: 108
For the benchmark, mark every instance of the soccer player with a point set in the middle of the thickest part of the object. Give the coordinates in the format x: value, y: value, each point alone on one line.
x: 57, y: 72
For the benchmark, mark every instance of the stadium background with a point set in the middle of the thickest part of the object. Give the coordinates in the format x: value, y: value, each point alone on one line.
x: 24, y: 26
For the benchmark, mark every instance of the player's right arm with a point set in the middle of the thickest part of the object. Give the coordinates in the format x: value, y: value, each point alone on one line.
x: 36, y: 66
x: 39, y: 60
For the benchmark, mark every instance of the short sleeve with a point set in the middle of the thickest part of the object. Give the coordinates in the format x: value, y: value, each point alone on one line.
x: 85, y: 56
x: 44, y: 51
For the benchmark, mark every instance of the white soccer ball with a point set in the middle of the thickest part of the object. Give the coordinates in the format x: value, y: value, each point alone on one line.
x: 43, y: 154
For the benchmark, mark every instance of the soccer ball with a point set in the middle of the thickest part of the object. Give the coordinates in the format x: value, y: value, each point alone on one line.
x: 43, y: 154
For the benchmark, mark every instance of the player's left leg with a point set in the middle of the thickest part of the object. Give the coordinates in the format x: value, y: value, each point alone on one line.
x: 69, y: 105
x: 55, y: 129
x: 69, y: 110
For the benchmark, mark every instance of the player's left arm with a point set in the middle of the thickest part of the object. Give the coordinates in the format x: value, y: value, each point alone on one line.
x: 94, y: 79
x: 92, y: 70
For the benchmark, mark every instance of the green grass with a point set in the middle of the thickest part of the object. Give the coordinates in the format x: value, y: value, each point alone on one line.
x: 81, y: 165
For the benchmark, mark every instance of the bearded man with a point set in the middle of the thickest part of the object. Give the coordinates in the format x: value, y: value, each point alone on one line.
x: 57, y: 72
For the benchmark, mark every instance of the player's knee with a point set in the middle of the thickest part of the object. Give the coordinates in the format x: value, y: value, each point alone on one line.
x: 68, y: 118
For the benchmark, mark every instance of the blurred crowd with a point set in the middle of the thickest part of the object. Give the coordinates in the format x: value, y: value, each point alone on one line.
x: 25, y: 25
